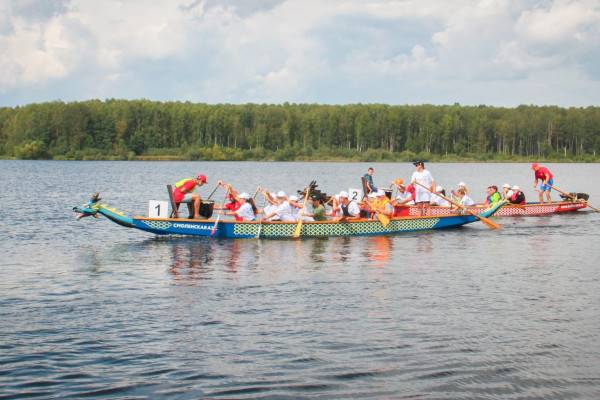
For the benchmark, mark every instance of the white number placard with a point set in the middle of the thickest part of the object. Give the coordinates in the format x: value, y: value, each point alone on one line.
x: 158, y: 209
x: 355, y: 194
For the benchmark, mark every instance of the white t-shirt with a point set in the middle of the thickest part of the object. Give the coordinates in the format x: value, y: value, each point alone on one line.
x: 424, y: 178
x: 284, y: 212
x: 245, y: 211
x: 466, y: 201
x: 439, y: 201
x: 269, y: 209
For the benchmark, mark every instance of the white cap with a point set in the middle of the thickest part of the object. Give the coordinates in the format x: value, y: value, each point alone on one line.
x: 506, y: 185
x: 281, y: 193
x: 516, y: 188
x: 439, y: 188
x: 293, y: 198
x: 343, y: 194
x: 380, y: 193
x: 462, y: 184
x: 244, y: 195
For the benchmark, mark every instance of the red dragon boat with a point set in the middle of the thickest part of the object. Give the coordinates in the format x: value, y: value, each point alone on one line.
x: 509, y: 210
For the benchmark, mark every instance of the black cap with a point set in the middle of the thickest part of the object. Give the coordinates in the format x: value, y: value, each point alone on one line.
x: 418, y: 162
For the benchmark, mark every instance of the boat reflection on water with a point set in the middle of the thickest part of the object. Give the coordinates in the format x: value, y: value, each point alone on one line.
x: 379, y: 250
x: 191, y: 260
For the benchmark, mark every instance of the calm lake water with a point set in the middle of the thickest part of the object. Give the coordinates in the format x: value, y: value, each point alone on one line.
x: 89, y: 309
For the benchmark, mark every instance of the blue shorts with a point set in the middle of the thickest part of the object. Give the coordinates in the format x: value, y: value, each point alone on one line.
x: 544, y: 187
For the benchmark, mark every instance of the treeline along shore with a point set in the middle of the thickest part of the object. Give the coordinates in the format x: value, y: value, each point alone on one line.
x: 150, y: 130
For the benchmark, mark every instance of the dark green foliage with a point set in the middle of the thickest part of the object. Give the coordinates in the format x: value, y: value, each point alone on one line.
x: 143, y: 129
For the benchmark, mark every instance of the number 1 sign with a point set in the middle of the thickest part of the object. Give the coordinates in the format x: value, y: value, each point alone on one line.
x: 158, y: 209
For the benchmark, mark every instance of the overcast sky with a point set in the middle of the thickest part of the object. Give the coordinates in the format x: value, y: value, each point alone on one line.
x: 496, y: 52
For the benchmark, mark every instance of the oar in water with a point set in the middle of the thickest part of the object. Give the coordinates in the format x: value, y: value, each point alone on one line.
x: 490, y: 224
x: 573, y: 197
x: 299, y: 226
x: 260, y: 219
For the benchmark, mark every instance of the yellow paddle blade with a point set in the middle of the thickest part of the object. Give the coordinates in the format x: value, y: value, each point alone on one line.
x: 384, y: 219
x: 298, y: 229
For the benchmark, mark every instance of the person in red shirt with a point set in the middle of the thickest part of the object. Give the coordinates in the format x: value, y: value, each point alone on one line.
x: 233, y: 205
x: 183, y: 192
x: 543, y: 175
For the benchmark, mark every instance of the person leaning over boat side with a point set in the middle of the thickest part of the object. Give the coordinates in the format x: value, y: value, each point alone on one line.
x: 506, y: 192
x: 543, y: 175
x: 423, y: 177
x: 517, y: 197
x: 437, y: 200
x: 348, y: 209
x: 183, y: 192
x: 283, y: 210
x: 493, y: 197
x: 369, y: 180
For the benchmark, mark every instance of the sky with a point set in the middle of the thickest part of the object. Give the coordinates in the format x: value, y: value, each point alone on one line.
x: 494, y: 52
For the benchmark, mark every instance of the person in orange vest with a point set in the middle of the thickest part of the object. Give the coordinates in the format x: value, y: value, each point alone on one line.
x: 183, y: 192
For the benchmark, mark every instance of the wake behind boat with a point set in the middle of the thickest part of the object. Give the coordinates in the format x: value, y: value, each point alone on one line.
x: 277, y: 229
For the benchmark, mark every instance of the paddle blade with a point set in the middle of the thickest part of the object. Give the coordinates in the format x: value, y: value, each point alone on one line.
x: 384, y: 219
x: 490, y: 224
x: 298, y: 229
x: 214, y: 228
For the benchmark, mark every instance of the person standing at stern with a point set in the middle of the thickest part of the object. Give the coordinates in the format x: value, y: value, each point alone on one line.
x: 543, y: 175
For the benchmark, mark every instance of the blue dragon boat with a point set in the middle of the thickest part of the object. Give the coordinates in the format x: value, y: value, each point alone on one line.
x: 275, y: 229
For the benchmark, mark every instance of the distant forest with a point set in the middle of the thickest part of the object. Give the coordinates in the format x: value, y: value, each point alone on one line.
x: 143, y: 129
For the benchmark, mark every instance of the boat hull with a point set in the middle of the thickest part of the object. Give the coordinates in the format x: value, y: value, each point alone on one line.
x: 530, y: 209
x: 283, y: 230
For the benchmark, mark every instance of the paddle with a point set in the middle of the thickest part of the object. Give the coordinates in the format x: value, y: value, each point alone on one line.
x: 299, y: 226
x: 384, y: 219
x: 214, y: 228
x: 573, y: 197
x: 213, y: 192
x: 490, y: 224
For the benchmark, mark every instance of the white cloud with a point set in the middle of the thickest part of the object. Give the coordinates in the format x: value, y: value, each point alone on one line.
x: 311, y: 51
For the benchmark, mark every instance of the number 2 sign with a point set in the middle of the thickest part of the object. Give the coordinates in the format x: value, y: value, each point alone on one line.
x: 355, y: 194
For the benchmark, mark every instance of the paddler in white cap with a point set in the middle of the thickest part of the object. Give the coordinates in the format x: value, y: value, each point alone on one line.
x: 283, y: 210
x: 347, y: 209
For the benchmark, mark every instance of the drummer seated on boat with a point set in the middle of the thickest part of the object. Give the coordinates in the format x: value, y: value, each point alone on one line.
x: 183, y: 192
x: 283, y: 209
x: 348, y: 209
